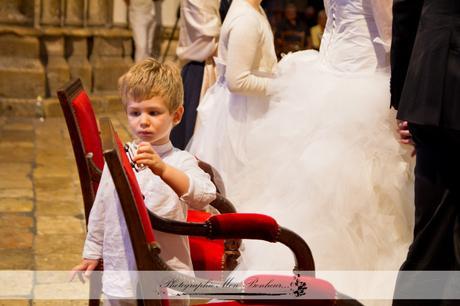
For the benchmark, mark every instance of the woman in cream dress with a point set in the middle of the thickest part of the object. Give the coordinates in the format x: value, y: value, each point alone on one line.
x: 246, y: 60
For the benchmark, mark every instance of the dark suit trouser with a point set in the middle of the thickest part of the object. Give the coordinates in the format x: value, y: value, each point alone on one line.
x: 192, y: 78
x: 436, y: 245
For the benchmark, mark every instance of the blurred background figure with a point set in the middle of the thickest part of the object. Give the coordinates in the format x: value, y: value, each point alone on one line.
x: 200, y: 24
x: 145, y: 21
x: 316, y: 32
x: 291, y: 32
x: 224, y: 6
x: 309, y: 16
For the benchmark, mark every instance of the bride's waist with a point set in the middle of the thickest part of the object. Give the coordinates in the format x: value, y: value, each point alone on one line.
x: 353, y: 52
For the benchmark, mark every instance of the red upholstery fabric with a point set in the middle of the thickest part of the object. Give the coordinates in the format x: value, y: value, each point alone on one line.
x: 221, y: 304
x: 207, y: 255
x: 89, y: 131
x: 142, y: 210
x: 309, y: 287
x: 88, y: 127
x: 248, y: 226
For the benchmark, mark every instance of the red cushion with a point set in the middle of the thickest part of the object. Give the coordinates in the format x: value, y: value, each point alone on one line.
x: 207, y: 255
x: 248, y: 226
x: 221, y: 304
x: 89, y: 132
x: 197, y: 216
x: 141, y: 209
x: 302, y: 290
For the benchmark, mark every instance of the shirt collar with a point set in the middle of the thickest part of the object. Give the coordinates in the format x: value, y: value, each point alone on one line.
x: 163, y: 149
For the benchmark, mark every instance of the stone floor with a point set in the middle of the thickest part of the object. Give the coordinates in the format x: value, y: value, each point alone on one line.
x: 41, y: 210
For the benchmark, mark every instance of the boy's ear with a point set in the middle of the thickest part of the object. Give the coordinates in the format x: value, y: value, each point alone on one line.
x: 177, y: 116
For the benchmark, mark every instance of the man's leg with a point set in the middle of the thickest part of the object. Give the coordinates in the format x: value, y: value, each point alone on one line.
x: 435, y: 217
x: 141, y: 20
x: 157, y: 28
x: 192, y: 77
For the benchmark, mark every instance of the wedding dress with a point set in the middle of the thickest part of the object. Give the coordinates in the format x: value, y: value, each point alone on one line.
x: 325, y: 160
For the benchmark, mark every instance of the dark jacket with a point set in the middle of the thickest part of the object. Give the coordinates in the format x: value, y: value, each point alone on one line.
x: 425, y: 62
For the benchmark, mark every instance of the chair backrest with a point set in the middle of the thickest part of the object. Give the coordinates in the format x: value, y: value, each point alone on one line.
x: 84, y: 134
x: 146, y: 251
x: 215, y: 176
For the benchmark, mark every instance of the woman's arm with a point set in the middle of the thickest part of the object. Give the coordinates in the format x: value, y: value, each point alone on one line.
x: 244, y: 44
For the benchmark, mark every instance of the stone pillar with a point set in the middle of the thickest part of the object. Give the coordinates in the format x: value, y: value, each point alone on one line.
x: 78, y: 62
x: 108, y: 63
x: 98, y: 13
x: 22, y: 75
x: 12, y: 11
x: 120, y: 13
x: 57, y: 69
x: 128, y: 51
x: 74, y: 12
x: 51, y: 12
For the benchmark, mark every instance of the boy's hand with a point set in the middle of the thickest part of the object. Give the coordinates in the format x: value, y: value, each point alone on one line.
x: 87, y: 266
x: 148, y: 157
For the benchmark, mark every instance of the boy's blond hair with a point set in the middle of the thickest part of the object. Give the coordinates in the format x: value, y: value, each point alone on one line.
x: 149, y: 79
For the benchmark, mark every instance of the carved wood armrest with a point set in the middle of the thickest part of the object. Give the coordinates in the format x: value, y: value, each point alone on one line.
x: 223, y: 205
x: 225, y: 227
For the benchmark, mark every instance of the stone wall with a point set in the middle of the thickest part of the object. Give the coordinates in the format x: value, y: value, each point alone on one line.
x: 45, y: 43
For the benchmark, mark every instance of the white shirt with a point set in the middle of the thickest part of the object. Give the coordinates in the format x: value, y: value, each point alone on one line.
x: 199, y: 29
x: 246, y: 47
x: 108, y: 236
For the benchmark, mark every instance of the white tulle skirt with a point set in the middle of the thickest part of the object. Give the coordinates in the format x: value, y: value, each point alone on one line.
x: 326, y: 163
x: 322, y: 157
x: 221, y: 131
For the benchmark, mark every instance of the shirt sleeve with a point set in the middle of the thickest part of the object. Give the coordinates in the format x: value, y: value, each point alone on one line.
x: 244, y: 42
x: 202, y: 17
x: 201, y: 190
x: 200, y: 29
x: 95, y: 236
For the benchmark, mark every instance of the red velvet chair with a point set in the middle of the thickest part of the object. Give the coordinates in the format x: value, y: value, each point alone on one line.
x: 246, y: 226
x: 84, y: 135
x: 87, y: 148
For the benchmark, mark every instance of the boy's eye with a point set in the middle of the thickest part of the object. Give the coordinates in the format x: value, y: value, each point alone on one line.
x: 154, y: 113
x: 134, y: 113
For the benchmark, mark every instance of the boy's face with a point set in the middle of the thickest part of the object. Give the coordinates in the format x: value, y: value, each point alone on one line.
x: 151, y: 121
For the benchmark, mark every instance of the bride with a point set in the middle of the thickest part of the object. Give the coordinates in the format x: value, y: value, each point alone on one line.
x: 325, y: 160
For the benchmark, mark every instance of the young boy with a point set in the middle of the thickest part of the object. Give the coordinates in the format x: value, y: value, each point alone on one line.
x: 152, y: 95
